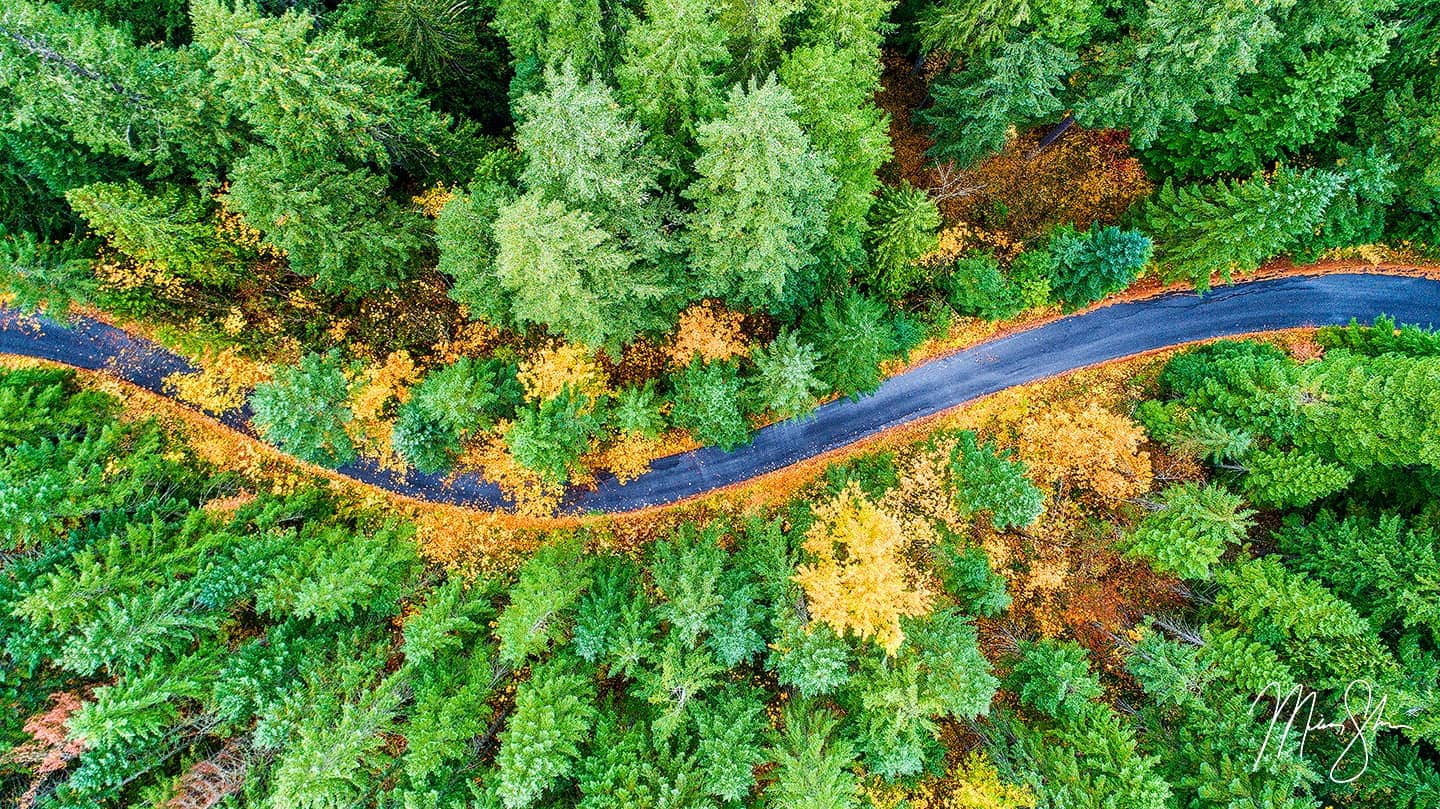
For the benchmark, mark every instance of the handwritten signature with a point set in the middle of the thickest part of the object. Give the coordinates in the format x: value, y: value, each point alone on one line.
x: 1363, y: 725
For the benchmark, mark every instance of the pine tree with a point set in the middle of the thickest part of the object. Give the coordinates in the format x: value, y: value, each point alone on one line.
x: 835, y: 89
x: 784, y: 382
x: 854, y: 338
x: 1018, y: 84
x: 811, y: 658
x: 903, y: 227
x: 315, y: 94
x: 149, y: 106
x: 336, y: 224
x: 583, y: 150
x: 1234, y: 226
x: 814, y: 765
x: 325, y: 766
x: 561, y: 269
x: 1291, y: 479
x: 671, y: 74
x: 450, y: 404
x: 540, y: 602
x: 1194, y: 527
x: 761, y: 199
x: 1096, y: 263
x: 549, y: 32
x: 1055, y: 679
x: 304, y: 410
x: 729, y: 727
x: 1181, y: 53
x: 985, y: 480
x: 169, y: 229
x: 707, y: 403
x: 554, y: 714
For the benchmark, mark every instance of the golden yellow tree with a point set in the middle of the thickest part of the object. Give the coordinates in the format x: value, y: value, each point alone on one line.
x: 710, y: 330
x: 224, y: 380
x: 545, y: 372
x: 1089, y: 449
x: 860, y: 581
x: 374, y: 395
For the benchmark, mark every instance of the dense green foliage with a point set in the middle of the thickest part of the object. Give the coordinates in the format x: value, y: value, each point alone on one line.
x: 189, y: 639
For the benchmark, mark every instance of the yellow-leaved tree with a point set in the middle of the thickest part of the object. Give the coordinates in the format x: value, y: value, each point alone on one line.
x: 710, y: 330
x: 548, y: 370
x: 1089, y: 450
x: 224, y: 380
x: 860, y: 581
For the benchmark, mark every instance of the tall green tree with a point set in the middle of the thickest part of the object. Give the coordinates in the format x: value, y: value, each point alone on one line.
x: 170, y: 228
x: 304, y: 411
x: 903, y: 227
x: 707, y: 403
x: 761, y: 199
x: 315, y: 93
x: 1234, y: 226
x: 563, y: 270
x: 554, y: 712
x: 1095, y: 263
x: 986, y: 480
x: 784, y: 382
x: 1020, y: 83
x: 1194, y: 527
x: 550, y: 436
x: 336, y: 224
x: 671, y: 74
x: 835, y: 89
x: 1179, y: 54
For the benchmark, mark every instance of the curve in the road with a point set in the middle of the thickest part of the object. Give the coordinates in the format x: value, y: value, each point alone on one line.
x: 1066, y: 344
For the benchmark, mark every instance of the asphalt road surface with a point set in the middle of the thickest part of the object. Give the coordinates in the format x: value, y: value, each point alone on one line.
x: 1106, y: 333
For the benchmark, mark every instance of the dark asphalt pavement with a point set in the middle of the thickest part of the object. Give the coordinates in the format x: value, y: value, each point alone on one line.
x: 1107, y: 333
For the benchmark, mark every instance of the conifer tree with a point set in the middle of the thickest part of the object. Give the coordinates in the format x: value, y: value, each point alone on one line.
x: 785, y: 382
x: 903, y: 227
x: 1095, y: 263
x: 985, y: 480
x: 1234, y: 226
x: 761, y: 199
x: 1019, y: 83
x: 304, y: 411
x: 540, y: 602
x: 707, y: 403
x: 169, y: 229
x: 1195, y: 526
x: 554, y: 715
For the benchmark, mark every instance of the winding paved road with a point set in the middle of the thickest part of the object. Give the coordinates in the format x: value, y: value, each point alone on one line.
x: 1107, y: 333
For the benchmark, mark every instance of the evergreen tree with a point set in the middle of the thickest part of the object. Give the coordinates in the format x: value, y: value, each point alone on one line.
x: 540, y: 602
x: 835, y: 89
x: 903, y: 227
x: 554, y: 714
x: 549, y: 437
x: 1180, y: 54
x: 468, y: 249
x: 549, y: 32
x: 761, y: 199
x: 170, y: 229
x: 1096, y: 263
x: 1234, y: 226
x: 1055, y: 679
x: 985, y: 480
x: 671, y: 74
x: 729, y: 743
x: 1195, y: 526
x: 1291, y: 479
x: 336, y: 224
x: 450, y: 404
x: 814, y: 766
x: 147, y: 107
x: 582, y: 150
x: 785, y: 382
x: 1017, y: 84
x: 304, y: 410
x: 636, y: 411
x: 811, y: 658
x: 325, y: 765
x: 315, y: 95
x: 975, y: 287
x: 707, y: 403
x: 561, y: 269
x: 854, y: 338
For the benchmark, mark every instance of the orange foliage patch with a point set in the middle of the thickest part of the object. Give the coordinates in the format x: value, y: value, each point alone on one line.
x: 709, y: 330
x: 547, y: 371
x: 1086, y: 176
x: 1088, y: 450
x: 374, y: 395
